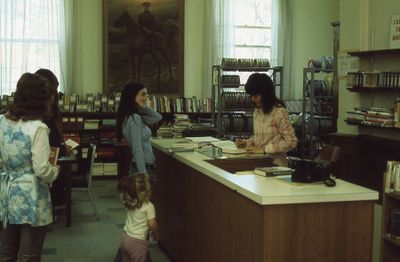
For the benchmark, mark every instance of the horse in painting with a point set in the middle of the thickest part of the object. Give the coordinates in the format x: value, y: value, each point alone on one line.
x: 139, y: 45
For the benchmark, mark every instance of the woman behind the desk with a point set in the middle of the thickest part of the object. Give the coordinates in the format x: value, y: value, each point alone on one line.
x: 273, y: 132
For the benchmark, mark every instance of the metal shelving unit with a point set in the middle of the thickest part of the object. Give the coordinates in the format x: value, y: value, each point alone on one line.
x: 310, y: 136
x: 219, y: 95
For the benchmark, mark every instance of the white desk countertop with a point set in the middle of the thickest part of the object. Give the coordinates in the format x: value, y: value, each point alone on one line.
x: 270, y: 190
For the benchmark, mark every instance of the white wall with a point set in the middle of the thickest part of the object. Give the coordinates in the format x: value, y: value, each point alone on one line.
x: 88, y: 74
x: 87, y: 77
x: 365, y: 25
x: 312, y: 34
x: 312, y: 38
x: 194, y: 33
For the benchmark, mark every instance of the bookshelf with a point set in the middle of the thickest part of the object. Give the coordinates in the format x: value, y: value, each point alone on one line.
x: 355, y: 123
x: 390, y: 249
x: 93, y: 119
x: 390, y: 244
x: 378, y: 83
x: 233, y: 109
x: 93, y: 127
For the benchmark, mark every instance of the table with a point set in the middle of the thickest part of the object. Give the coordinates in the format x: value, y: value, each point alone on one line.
x: 66, y: 170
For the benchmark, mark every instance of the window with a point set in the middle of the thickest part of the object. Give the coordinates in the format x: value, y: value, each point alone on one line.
x: 29, y: 39
x: 252, y: 33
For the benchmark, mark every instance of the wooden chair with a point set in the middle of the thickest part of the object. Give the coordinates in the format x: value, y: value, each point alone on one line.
x: 84, y: 183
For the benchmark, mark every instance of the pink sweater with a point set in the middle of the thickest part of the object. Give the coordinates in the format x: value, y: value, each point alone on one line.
x: 274, y: 133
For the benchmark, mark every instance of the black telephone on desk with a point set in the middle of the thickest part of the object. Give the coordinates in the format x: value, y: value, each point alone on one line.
x: 310, y: 171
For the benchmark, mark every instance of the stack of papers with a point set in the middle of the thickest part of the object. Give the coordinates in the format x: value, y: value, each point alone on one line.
x: 229, y: 147
x: 202, y: 139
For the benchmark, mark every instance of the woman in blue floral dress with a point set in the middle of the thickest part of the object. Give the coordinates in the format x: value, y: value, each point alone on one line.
x: 25, y: 176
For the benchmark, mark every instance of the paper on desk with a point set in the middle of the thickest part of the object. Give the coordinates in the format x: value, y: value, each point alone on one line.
x: 199, y: 139
x: 229, y: 147
x: 71, y: 143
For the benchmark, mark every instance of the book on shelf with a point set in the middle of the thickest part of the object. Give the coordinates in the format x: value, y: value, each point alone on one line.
x: 392, y: 176
x: 164, y: 104
x: 54, y: 155
x: 273, y: 171
x: 229, y: 147
x: 89, y: 124
x: 394, y: 224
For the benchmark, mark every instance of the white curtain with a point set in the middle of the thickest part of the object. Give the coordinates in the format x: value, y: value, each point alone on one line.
x: 220, y: 38
x: 33, y: 35
x: 281, y: 46
x: 219, y: 31
x: 66, y: 45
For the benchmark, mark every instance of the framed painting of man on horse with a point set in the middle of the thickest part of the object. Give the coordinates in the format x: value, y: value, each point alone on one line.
x: 143, y: 42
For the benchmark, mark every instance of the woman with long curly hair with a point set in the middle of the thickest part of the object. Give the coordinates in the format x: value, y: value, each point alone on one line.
x: 25, y: 206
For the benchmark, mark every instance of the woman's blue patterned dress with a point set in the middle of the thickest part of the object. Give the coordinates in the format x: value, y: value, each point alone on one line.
x: 24, y: 196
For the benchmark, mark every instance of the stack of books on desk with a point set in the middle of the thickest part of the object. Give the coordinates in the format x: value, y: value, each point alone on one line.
x: 165, y: 131
x: 181, y: 123
x: 273, y: 171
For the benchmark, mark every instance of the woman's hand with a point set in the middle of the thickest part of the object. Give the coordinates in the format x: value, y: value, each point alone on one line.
x: 255, y: 150
x: 155, y: 235
x: 240, y: 143
x: 68, y: 150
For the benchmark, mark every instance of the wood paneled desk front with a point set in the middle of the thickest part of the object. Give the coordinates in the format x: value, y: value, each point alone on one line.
x: 208, y: 213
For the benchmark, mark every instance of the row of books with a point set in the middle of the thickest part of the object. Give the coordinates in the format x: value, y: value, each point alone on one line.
x: 79, y: 123
x: 392, y: 182
x: 105, y: 169
x: 90, y: 103
x: 380, y: 117
x: 110, y: 103
x: 103, y: 137
x: 164, y: 104
x: 394, y: 224
x: 233, y: 100
x: 245, y: 62
x: 374, y: 79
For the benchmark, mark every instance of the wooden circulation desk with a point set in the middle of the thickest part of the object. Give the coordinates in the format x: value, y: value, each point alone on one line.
x: 208, y: 214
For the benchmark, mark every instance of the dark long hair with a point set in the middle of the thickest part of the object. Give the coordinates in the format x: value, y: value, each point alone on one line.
x: 127, y: 105
x: 32, y: 99
x: 50, y: 76
x: 261, y: 84
x: 54, y: 124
